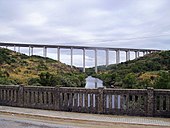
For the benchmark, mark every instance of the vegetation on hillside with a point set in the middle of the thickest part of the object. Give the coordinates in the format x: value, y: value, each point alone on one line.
x: 150, y: 70
x: 16, y: 68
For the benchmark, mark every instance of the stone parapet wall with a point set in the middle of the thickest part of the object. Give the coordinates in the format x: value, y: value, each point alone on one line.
x: 138, y: 102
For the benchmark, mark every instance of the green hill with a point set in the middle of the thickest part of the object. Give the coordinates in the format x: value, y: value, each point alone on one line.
x: 16, y: 68
x: 149, y: 70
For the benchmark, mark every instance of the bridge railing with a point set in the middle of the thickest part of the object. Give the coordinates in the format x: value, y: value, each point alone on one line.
x: 125, y: 101
x: 9, y: 95
x: 162, y: 102
x: 139, y: 102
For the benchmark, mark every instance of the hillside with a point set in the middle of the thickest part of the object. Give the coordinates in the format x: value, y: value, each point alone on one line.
x: 149, y: 70
x: 16, y: 68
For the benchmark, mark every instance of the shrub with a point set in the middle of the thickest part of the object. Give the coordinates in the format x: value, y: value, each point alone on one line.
x: 129, y: 81
x: 47, y: 79
x: 6, y: 81
x: 163, y: 81
x: 33, y: 81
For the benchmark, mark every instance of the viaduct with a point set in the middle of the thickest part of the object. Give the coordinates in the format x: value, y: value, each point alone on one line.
x: 83, y: 48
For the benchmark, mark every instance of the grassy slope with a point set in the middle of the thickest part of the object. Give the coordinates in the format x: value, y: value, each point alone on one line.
x: 144, y: 68
x: 20, y: 67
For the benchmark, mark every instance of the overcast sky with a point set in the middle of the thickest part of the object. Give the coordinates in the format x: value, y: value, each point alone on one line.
x: 109, y: 23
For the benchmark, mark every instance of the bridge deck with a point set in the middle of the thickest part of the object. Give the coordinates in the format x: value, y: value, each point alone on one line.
x: 74, y: 47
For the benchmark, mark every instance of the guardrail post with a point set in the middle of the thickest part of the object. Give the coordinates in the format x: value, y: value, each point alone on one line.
x: 21, y: 96
x: 100, y: 100
x: 57, y: 98
x: 150, y: 101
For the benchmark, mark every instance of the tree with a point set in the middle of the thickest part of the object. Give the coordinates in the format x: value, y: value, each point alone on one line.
x: 47, y: 79
x: 163, y: 81
x: 34, y: 81
x: 144, y: 83
x: 130, y: 80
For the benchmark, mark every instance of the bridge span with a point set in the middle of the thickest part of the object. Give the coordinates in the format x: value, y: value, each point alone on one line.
x: 83, y: 48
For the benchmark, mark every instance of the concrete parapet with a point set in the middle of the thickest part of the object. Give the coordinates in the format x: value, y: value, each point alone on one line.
x: 138, y: 102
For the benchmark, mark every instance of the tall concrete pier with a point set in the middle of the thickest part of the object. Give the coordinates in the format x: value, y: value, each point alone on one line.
x: 58, y: 53
x: 71, y: 52
x: 117, y: 51
x: 117, y: 56
x: 107, y: 57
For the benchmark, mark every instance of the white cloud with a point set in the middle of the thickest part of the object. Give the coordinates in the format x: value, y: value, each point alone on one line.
x: 35, y: 19
x: 6, y: 30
